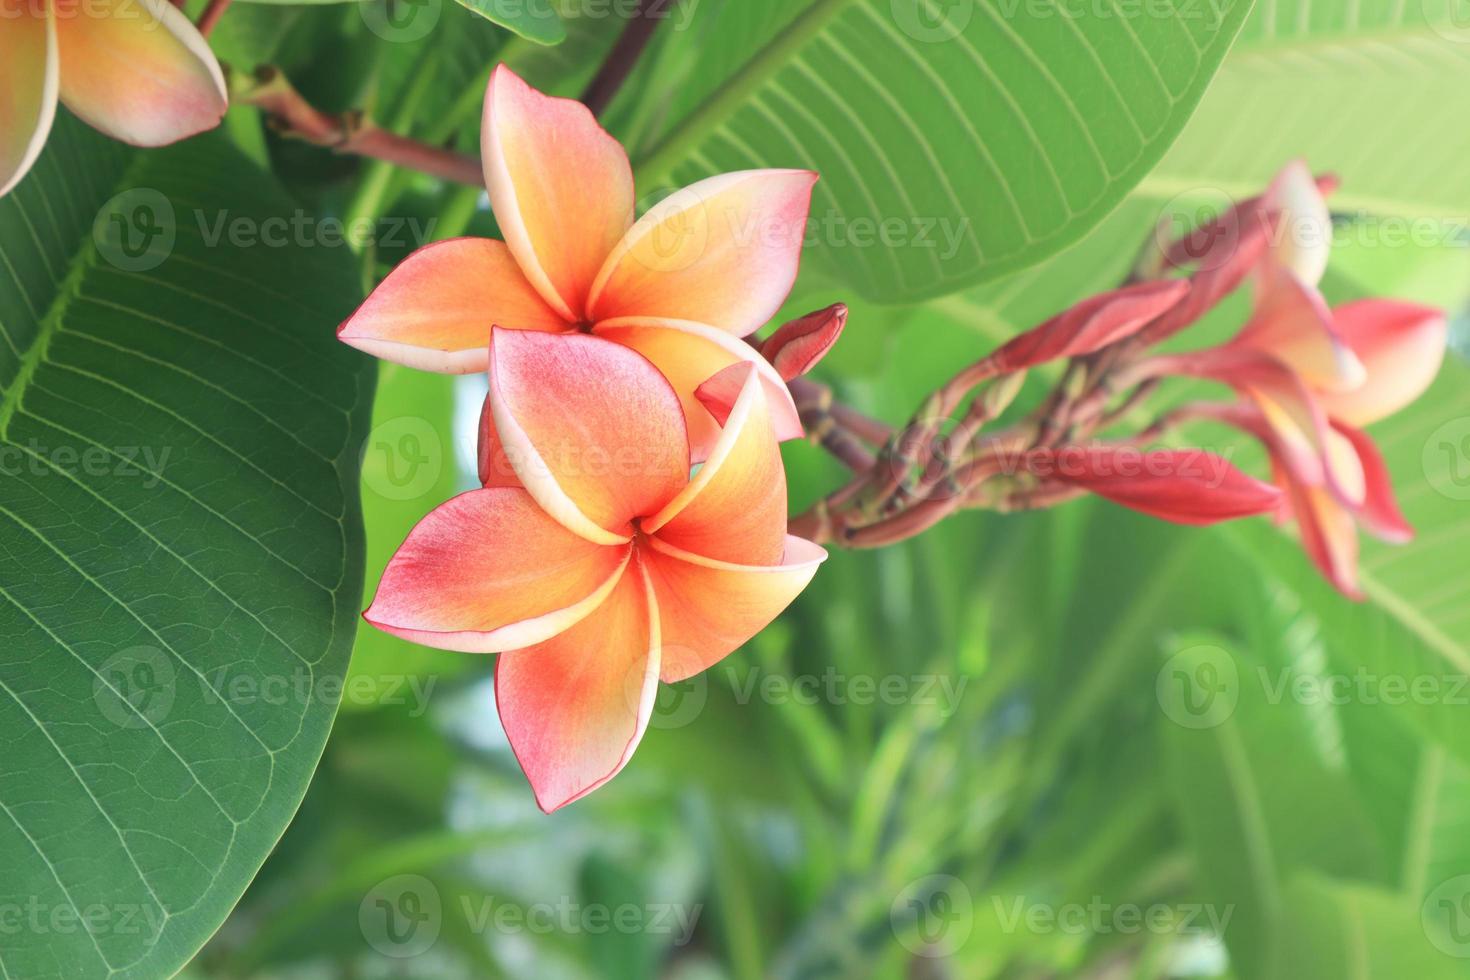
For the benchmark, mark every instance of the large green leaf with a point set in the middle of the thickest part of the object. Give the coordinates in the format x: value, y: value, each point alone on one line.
x: 956, y: 141
x: 1254, y: 789
x: 1345, y: 931
x: 180, y: 544
x: 1373, y: 89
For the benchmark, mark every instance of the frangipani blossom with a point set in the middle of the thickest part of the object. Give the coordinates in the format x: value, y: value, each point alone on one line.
x: 681, y: 285
x: 137, y: 70
x: 597, y: 565
x: 1288, y: 228
x: 1313, y: 377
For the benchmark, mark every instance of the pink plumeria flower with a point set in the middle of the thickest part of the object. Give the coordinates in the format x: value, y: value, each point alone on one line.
x: 598, y: 565
x: 137, y: 70
x: 681, y: 285
x: 1312, y: 377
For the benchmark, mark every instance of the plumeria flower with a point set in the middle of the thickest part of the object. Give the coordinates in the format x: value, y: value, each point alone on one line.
x: 598, y: 566
x: 135, y: 69
x: 1311, y: 378
x: 681, y: 285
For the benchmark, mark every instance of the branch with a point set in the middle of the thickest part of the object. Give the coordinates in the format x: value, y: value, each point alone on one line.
x: 351, y: 132
x: 211, y: 15
x: 623, y: 57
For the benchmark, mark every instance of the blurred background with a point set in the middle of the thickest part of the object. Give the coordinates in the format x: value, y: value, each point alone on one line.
x: 1077, y: 743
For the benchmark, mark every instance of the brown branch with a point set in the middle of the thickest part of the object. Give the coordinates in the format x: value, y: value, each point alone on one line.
x: 211, y: 15
x: 624, y: 55
x: 352, y: 132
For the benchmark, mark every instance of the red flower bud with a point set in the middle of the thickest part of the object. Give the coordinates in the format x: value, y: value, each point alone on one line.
x: 797, y: 346
x: 1186, y: 486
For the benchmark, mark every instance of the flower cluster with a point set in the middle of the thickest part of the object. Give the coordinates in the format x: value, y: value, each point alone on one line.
x: 1307, y: 378
x: 596, y: 558
x: 137, y: 70
x: 1310, y: 377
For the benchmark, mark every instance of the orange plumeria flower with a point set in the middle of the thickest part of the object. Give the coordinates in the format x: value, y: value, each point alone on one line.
x: 601, y: 566
x: 681, y: 285
x: 135, y: 69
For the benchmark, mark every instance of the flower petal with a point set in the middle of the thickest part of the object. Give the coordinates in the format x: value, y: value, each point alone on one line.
x: 561, y: 188
x: 1328, y: 534
x: 576, y: 706
x: 1303, y: 227
x: 593, y: 431
x: 28, y: 88
x: 690, y: 353
x: 1186, y: 486
x: 722, y: 251
x: 1292, y: 412
x: 1400, y: 344
x: 489, y: 571
x: 434, y: 312
x: 709, y: 608
x: 139, y: 71
x: 734, y: 509
x: 1378, y: 509
x: 1293, y: 324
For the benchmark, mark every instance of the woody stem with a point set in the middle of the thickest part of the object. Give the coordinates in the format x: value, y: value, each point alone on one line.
x: 350, y: 132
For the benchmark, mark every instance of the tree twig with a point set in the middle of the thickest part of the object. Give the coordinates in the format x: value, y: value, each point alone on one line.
x: 211, y: 15
x: 351, y: 132
x: 623, y: 57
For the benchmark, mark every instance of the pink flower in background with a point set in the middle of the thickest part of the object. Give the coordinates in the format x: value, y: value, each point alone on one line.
x: 597, y: 565
x: 135, y: 69
x: 1310, y: 377
x: 681, y: 285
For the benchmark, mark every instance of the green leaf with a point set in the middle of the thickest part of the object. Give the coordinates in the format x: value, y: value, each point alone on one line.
x: 1398, y: 70
x: 956, y: 141
x: 1254, y: 790
x: 534, y: 20
x: 1344, y: 931
x: 180, y: 544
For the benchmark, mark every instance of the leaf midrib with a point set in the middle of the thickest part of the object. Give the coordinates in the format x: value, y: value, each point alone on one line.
x: 706, y: 117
